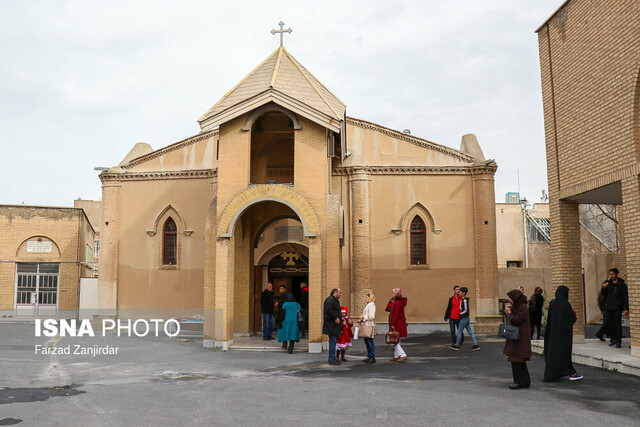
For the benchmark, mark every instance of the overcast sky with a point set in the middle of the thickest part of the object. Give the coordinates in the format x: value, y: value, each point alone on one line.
x: 82, y: 81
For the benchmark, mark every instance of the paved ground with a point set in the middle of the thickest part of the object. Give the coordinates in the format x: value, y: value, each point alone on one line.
x: 161, y: 382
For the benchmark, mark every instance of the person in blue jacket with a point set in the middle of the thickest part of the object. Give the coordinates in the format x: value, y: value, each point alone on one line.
x: 289, y: 331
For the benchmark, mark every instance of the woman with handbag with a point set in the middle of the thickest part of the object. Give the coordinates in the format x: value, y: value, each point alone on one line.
x: 398, y: 322
x: 519, y: 350
x: 289, y: 331
x: 367, y: 325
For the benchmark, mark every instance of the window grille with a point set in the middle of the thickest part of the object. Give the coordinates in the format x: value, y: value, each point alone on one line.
x: 418, y: 242
x: 170, y: 243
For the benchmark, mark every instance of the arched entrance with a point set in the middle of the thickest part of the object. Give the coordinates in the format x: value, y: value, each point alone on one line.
x: 285, y: 262
x: 233, y: 279
x: 281, y: 257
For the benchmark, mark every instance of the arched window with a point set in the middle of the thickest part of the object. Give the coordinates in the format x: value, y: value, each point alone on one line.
x: 272, y: 149
x: 169, y: 242
x: 418, y: 241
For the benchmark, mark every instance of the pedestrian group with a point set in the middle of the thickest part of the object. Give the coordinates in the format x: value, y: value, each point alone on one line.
x: 524, y: 315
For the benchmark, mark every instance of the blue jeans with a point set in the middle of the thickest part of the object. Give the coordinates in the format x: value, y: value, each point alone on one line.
x: 453, y: 324
x: 332, y: 348
x: 466, y: 324
x: 371, y: 348
x: 267, y: 325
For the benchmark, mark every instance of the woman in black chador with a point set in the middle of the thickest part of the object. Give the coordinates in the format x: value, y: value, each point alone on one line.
x: 558, y: 338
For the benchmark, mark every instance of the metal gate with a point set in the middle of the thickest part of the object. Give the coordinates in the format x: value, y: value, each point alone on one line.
x: 37, y: 289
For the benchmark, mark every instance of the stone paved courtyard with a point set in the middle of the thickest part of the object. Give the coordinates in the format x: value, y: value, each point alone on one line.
x: 161, y: 382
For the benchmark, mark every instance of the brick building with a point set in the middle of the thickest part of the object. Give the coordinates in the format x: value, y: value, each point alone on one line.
x: 590, y: 65
x: 44, y: 251
x: 280, y: 185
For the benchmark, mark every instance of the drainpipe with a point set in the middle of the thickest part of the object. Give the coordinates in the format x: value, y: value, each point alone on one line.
x: 524, y: 228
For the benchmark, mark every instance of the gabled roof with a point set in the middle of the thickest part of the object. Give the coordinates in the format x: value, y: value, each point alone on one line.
x: 282, y: 80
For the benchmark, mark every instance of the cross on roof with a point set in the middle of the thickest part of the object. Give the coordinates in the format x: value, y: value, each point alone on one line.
x: 281, y: 31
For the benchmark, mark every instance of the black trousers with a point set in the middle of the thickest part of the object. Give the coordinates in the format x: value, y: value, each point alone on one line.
x: 520, y: 373
x: 604, y: 330
x: 536, y: 322
x: 613, y: 321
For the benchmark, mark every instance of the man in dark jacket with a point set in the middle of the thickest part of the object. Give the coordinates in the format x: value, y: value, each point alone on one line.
x: 616, y: 303
x: 332, y: 324
x: 266, y: 307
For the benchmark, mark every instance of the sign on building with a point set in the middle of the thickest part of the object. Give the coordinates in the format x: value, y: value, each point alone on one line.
x: 38, y: 246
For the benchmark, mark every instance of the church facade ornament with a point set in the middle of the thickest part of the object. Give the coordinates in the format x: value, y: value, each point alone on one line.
x: 159, y: 175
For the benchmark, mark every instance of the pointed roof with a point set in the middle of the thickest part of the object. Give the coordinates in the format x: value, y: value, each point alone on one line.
x: 282, y: 80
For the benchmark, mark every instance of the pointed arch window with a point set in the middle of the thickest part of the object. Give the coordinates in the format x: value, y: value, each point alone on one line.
x: 169, y: 242
x: 418, y: 243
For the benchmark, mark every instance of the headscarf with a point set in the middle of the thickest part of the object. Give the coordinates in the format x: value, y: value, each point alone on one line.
x: 562, y: 292
x: 515, y: 296
x: 290, y: 298
x: 397, y: 292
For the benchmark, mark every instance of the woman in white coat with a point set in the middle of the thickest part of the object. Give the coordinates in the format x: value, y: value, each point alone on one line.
x: 368, y: 318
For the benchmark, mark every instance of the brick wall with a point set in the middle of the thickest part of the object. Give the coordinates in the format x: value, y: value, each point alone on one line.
x: 67, y: 228
x: 589, y: 69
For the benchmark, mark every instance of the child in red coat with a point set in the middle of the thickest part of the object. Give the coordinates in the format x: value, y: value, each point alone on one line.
x: 344, y: 340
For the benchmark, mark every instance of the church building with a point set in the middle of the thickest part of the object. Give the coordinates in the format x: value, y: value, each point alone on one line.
x: 282, y: 186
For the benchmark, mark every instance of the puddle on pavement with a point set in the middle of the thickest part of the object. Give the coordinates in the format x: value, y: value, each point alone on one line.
x: 36, y: 394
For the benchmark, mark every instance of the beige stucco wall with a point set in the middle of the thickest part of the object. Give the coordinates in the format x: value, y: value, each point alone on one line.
x: 451, y: 258
x: 181, y: 156
x: 530, y: 278
x: 142, y: 281
x: 510, y: 235
x: 376, y: 145
x: 92, y: 208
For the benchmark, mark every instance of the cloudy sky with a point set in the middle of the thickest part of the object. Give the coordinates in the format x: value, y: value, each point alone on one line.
x: 82, y: 81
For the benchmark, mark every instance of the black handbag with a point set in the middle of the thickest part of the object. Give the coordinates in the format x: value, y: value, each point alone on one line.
x: 509, y: 331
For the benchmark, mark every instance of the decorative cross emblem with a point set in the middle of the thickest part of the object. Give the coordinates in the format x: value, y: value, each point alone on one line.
x: 292, y: 256
x: 281, y: 31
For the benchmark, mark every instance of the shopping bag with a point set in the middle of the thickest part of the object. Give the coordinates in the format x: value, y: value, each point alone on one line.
x: 366, y: 331
x: 355, y: 333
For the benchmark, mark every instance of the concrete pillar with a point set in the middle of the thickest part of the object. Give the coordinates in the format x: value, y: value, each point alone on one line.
x: 242, y: 273
x: 486, y: 258
x: 566, y: 257
x: 360, y: 238
x: 210, y: 238
x: 109, y: 238
x: 224, y: 293
x: 331, y: 241
x: 316, y: 295
x: 631, y: 227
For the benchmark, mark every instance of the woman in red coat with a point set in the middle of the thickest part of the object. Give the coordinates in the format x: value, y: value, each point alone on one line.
x: 398, y: 322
